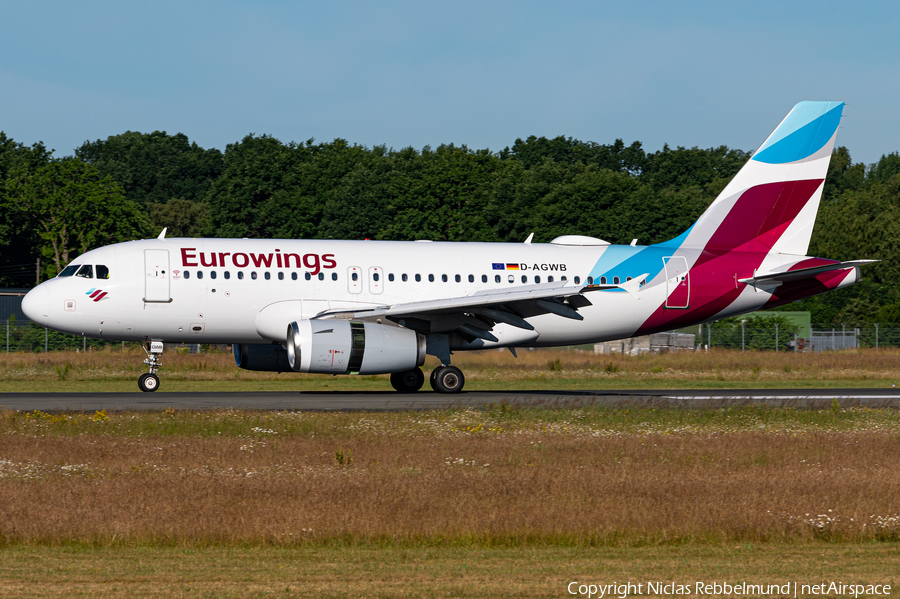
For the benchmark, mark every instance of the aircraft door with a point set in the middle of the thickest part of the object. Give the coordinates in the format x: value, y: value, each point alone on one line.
x: 156, y: 283
x: 376, y: 279
x: 354, y: 279
x: 678, y: 283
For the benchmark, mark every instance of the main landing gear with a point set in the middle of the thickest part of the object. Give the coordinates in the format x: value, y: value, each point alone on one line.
x: 444, y: 379
x: 447, y: 379
x: 148, y: 381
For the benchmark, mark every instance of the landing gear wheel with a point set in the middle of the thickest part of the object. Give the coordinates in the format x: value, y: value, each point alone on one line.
x: 148, y: 382
x: 448, y: 379
x: 409, y: 381
x: 433, y: 377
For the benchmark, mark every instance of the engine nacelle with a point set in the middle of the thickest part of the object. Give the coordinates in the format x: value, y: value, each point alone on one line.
x: 266, y: 358
x: 345, y: 347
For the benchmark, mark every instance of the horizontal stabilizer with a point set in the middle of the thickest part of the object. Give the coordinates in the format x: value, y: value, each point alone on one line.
x: 787, y: 276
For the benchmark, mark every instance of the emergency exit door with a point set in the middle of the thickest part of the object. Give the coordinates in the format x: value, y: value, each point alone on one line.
x: 678, y: 283
x: 156, y: 282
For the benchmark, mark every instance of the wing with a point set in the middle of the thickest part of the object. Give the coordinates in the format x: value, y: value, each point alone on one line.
x: 474, y: 316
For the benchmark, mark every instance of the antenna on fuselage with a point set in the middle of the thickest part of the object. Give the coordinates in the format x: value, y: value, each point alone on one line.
x: 163, y: 234
x: 530, y: 237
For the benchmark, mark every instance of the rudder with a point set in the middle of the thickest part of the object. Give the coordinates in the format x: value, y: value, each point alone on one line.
x: 771, y: 204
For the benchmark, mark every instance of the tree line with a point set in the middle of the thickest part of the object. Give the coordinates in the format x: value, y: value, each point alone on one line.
x: 132, y: 185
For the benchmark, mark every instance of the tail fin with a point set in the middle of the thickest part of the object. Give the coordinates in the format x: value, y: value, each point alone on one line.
x: 771, y: 204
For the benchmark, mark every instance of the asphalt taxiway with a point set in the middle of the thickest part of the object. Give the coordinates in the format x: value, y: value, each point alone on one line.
x: 299, y: 400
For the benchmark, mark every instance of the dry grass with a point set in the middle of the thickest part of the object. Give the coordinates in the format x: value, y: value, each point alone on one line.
x: 340, y: 571
x: 502, y: 477
x: 541, y: 369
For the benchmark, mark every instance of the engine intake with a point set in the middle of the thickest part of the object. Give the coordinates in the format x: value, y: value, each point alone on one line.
x: 345, y: 347
x: 265, y: 358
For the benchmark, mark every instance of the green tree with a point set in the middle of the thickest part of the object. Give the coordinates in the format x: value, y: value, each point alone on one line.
x: 18, y: 244
x: 155, y: 167
x: 182, y: 218
x: 73, y: 209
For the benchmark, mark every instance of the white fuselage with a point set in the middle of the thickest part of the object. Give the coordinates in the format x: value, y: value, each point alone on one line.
x: 218, y: 290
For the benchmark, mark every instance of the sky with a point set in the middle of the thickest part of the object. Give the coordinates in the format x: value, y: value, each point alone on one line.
x: 480, y: 73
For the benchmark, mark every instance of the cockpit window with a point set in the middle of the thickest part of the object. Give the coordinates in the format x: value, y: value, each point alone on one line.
x: 69, y: 270
x: 102, y: 272
x: 86, y: 271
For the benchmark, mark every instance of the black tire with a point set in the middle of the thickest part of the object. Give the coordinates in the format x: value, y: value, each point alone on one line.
x: 433, y: 378
x: 449, y: 379
x: 148, y: 383
x: 409, y: 381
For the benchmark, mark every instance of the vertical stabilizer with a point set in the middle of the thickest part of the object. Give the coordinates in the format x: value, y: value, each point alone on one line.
x: 771, y: 204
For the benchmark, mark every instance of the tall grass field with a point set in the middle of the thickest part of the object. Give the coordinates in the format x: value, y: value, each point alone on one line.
x: 506, y: 501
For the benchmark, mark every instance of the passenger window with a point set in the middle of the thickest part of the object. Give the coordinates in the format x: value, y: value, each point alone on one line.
x: 484, y: 278
x: 226, y: 274
x: 418, y: 278
x: 391, y: 277
x: 444, y: 278
x: 512, y: 279
x: 458, y: 279
x: 550, y: 279
x: 603, y: 280
x: 199, y: 274
x: 563, y: 278
x: 307, y: 276
x: 68, y: 271
x: 590, y: 280
x: 537, y: 279
x: 321, y: 276
x: 578, y: 280
x: 240, y: 274
x: 615, y: 280
x: 187, y: 274
x: 293, y: 276
x: 354, y: 276
x: 334, y: 276
x: 102, y: 272
x: 524, y: 278
x: 212, y: 274
x: 267, y: 275
x: 281, y: 276
x: 627, y: 279
x: 431, y: 278
x: 375, y: 276
x: 404, y: 278
x: 86, y: 271
x: 496, y: 278
x: 471, y: 278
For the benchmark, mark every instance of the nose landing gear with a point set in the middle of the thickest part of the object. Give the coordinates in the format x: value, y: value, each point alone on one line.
x: 149, y: 382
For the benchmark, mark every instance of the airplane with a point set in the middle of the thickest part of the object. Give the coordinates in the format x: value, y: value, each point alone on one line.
x: 379, y: 307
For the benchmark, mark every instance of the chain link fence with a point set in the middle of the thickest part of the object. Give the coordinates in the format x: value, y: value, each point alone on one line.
x: 751, y: 334
x: 761, y: 336
x: 26, y: 336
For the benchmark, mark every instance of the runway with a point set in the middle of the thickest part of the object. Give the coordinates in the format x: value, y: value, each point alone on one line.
x: 378, y: 401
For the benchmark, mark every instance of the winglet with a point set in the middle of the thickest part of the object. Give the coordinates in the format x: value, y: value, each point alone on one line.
x: 163, y: 234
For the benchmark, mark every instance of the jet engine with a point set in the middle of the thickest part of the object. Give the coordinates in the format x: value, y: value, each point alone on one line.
x: 346, y: 347
x: 266, y: 358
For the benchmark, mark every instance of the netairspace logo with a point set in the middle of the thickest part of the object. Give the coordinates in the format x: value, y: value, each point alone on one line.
x: 721, y: 589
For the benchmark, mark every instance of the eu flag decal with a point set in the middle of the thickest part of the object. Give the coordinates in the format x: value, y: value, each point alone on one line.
x: 498, y: 266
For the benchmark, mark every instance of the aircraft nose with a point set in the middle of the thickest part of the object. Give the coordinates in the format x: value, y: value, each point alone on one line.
x: 36, y: 304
